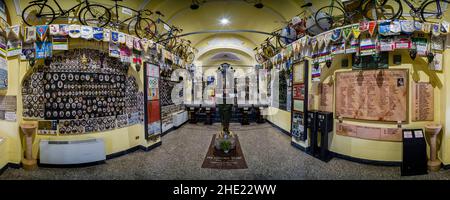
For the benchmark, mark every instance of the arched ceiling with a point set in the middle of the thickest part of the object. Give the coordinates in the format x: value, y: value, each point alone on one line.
x: 242, y: 16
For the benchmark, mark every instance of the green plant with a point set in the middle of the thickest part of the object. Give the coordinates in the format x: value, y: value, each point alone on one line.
x: 225, y: 145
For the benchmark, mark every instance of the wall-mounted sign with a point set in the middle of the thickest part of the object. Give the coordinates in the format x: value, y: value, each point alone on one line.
x: 8, y: 107
x: 299, y: 91
x: 372, y: 95
x: 423, y: 102
x: 370, y: 133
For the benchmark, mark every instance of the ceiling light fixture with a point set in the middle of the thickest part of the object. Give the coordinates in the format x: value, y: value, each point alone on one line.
x: 224, y: 21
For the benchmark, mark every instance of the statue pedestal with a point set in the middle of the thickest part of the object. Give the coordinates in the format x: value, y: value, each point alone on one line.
x: 220, y: 137
x: 29, y: 163
x: 432, y: 132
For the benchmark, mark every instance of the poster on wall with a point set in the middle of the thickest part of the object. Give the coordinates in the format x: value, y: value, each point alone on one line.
x: 298, y: 105
x: 299, y: 91
x: 3, y: 74
x: 299, y: 71
x: 298, y: 129
x: 153, y: 107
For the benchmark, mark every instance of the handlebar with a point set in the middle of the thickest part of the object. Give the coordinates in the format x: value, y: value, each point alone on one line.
x: 159, y: 13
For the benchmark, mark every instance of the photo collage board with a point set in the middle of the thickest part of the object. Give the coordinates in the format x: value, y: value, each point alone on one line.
x: 152, y: 105
x: 299, y: 93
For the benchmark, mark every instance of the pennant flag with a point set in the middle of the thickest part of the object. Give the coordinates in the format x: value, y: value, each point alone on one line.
x: 347, y: 32
x: 75, y: 31
x: 372, y: 27
x: 114, y: 37
x: 106, y: 35
x: 356, y: 31
x: 54, y: 29
x: 363, y: 26
x: 41, y: 31
x: 336, y: 35
x: 98, y: 34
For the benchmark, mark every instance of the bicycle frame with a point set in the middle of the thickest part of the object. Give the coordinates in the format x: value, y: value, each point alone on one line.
x: 62, y: 12
x: 117, y: 6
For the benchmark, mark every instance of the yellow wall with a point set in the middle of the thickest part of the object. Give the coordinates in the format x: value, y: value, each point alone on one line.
x: 115, y: 140
x: 383, y: 150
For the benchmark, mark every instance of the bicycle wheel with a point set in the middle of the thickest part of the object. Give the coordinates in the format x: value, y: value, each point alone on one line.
x: 143, y: 28
x: 268, y: 50
x: 330, y: 17
x: 94, y: 15
x: 38, y: 14
x: 430, y: 13
x: 382, y: 9
x: 190, y: 57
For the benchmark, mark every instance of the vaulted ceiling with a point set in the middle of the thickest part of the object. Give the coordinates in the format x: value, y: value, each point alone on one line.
x: 242, y: 15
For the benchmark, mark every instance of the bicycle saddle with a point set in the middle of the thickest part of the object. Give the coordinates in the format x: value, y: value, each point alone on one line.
x: 159, y: 13
x: 116, y: 0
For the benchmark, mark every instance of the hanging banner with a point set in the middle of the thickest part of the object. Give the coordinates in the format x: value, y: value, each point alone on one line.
x: 122, y: 38
x: 14, y: 47
x: 144, y: 44
x: 75, y: 31
x: 98, y: 34
x: 3, y: 45
x: 347, y: 32
x: 60, y: 43
x: 114, y: 50
x: 30, y: 34
x: 54, y: 29
x: 407, y: 26
x: 106, y: 35
x: 372, y: 27
x: 445, y: 26
x: 87, y: 32
x: 63, y: 30
x: 129, y: 41
x: 3, y: 74
x: 356, y: 31
x: 336, y: 35
x: 43, y: 50
x: 42, y: 32
x: 114, y: 37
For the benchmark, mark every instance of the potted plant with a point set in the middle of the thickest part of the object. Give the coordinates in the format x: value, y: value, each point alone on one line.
x: 225, y: 146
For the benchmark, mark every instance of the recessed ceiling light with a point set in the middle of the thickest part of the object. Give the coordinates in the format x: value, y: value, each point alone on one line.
x: 224, y: 21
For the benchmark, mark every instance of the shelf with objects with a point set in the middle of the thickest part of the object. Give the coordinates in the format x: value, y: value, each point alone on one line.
x: 376, y: 78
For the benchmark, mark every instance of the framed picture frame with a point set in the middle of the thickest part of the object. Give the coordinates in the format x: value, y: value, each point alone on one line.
x: 298, y: 73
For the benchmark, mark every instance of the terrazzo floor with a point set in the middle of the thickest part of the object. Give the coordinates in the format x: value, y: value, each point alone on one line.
x: 267, y: 151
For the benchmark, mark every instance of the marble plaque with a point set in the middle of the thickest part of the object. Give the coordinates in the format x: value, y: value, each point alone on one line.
x: 326, y: 97
x: 379, y: 95
x: 369, y: 133
x: 423, y: 102
x: 8, y: 103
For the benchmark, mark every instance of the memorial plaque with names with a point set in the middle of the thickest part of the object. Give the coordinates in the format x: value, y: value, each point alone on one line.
x: 8, y: 103
x: 379, y: 95
x: 423, y: 102
x: 369, y: 133
x: 326, y: 97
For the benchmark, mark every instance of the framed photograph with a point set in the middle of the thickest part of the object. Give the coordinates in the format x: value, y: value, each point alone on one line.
x: 298, y: 105
x: 299, y: 73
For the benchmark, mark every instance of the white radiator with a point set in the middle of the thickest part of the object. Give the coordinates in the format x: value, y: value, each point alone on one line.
x: 179, y: 118
x: 72, y: 152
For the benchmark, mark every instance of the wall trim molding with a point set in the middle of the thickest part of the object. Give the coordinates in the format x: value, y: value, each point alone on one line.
x: 366, y: 161
x: 279, y: 128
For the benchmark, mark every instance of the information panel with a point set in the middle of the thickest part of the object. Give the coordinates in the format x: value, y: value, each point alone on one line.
x: 372, y: 95
x: 423, y: 102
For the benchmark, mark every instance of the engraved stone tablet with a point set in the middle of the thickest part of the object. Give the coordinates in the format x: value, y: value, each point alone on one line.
x: 422, y: 102
x: 369, y: 133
